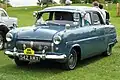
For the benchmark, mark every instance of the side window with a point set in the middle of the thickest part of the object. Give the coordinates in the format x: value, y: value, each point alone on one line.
x: 3, y: 14
x: 67, y: 16
x: 87, y: 19
x: 97, y: 19
x: 45, y: 16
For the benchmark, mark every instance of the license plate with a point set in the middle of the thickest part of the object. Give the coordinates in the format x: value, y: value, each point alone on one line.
x: 29, y: 51
x: 29, y: 58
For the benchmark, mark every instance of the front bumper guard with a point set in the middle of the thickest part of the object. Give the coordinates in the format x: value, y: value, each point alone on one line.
x: 43, y: 56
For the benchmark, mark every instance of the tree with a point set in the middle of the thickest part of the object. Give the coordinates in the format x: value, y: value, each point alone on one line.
x: 4, y: 1
x: 62, y: 1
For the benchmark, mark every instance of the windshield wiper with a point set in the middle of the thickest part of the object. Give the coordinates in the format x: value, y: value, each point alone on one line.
x: 53, y: 23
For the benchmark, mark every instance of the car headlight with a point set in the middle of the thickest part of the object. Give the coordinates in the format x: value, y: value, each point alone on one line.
x: 9, y: 37
x: 57, y: 39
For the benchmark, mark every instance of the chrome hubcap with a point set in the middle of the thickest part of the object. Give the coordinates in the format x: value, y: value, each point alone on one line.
x: 72, y: 61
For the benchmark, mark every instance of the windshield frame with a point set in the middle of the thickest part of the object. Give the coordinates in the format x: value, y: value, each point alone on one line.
x: 51, y: 14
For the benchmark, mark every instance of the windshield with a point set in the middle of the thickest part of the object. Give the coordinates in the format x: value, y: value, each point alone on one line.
x: 56, y: 18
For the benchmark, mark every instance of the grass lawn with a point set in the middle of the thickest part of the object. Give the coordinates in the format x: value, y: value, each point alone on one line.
x: 96, y: 68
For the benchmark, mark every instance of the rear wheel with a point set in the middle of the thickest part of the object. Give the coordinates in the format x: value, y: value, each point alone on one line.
x: 71, y: 62
x: 21, y: 63
x: 108, y: 52
x: 1, y: 41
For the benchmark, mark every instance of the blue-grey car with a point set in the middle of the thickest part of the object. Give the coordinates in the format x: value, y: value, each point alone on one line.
x: 64, y: 34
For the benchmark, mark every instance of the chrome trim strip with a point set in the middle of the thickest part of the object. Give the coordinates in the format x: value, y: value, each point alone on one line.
x: 40, y: 55
x: 89, y: 38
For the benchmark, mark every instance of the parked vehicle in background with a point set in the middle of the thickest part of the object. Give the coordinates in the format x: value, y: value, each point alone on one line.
x: 64, y: 34
x: 6, y: 23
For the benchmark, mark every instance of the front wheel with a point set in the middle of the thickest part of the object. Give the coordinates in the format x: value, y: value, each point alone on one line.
x: 71, y: 62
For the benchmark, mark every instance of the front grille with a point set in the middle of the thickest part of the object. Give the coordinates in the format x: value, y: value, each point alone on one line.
x: 35, y: 45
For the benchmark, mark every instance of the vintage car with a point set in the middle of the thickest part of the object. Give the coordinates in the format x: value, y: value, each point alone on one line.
x: 65, y: 34
x: 6, y: 23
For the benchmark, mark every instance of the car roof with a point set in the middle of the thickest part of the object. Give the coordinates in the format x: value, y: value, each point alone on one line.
x: 70, y: 9
x: 78, y: 9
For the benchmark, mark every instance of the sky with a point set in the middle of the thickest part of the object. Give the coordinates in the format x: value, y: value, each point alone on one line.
x: 18, y: 3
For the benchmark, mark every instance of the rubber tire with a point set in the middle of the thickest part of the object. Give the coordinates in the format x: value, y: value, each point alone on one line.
x: 20, y: 62
x: 3, y: 41
x: 67, y: 65
x: 108, y: 52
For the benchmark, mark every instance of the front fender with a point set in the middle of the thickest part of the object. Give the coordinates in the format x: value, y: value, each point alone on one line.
x: 70, y: 47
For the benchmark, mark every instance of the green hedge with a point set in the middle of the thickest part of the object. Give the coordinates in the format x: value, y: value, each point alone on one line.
x: 90, y: 1
x: 87, y: 1
x: 75, y: 1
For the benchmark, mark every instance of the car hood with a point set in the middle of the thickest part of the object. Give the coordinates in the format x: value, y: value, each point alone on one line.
x: 37, y: 33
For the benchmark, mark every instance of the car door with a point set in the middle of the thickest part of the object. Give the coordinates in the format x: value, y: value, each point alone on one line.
x: 98, y: 26
x: 95, y: 40
x: 85, y: 36
x: 89, y: 34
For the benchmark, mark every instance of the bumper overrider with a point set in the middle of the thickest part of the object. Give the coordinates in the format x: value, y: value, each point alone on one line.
x: 42, y: 56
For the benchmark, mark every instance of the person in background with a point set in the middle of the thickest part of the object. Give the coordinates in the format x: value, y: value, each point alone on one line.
x: 95, y: 4
x: 102, y: 12
x: 68, y: 2
x: 99, y: 7
x: 105, y: 14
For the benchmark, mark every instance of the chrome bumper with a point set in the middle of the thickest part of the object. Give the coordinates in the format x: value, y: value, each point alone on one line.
x: 43, y: 56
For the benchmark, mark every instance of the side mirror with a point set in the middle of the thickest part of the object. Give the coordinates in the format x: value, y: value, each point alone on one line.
x: 35, y: 14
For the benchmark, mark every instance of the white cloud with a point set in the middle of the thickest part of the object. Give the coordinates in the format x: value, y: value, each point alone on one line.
x: 18, y: 3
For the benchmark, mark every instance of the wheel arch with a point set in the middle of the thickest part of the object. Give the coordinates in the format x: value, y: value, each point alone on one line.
x: 4, y: 29
x: 112, y: 44
x: 78, y: 50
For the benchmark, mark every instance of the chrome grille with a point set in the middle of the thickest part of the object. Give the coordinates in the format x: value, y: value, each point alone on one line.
x: 35, y: 45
